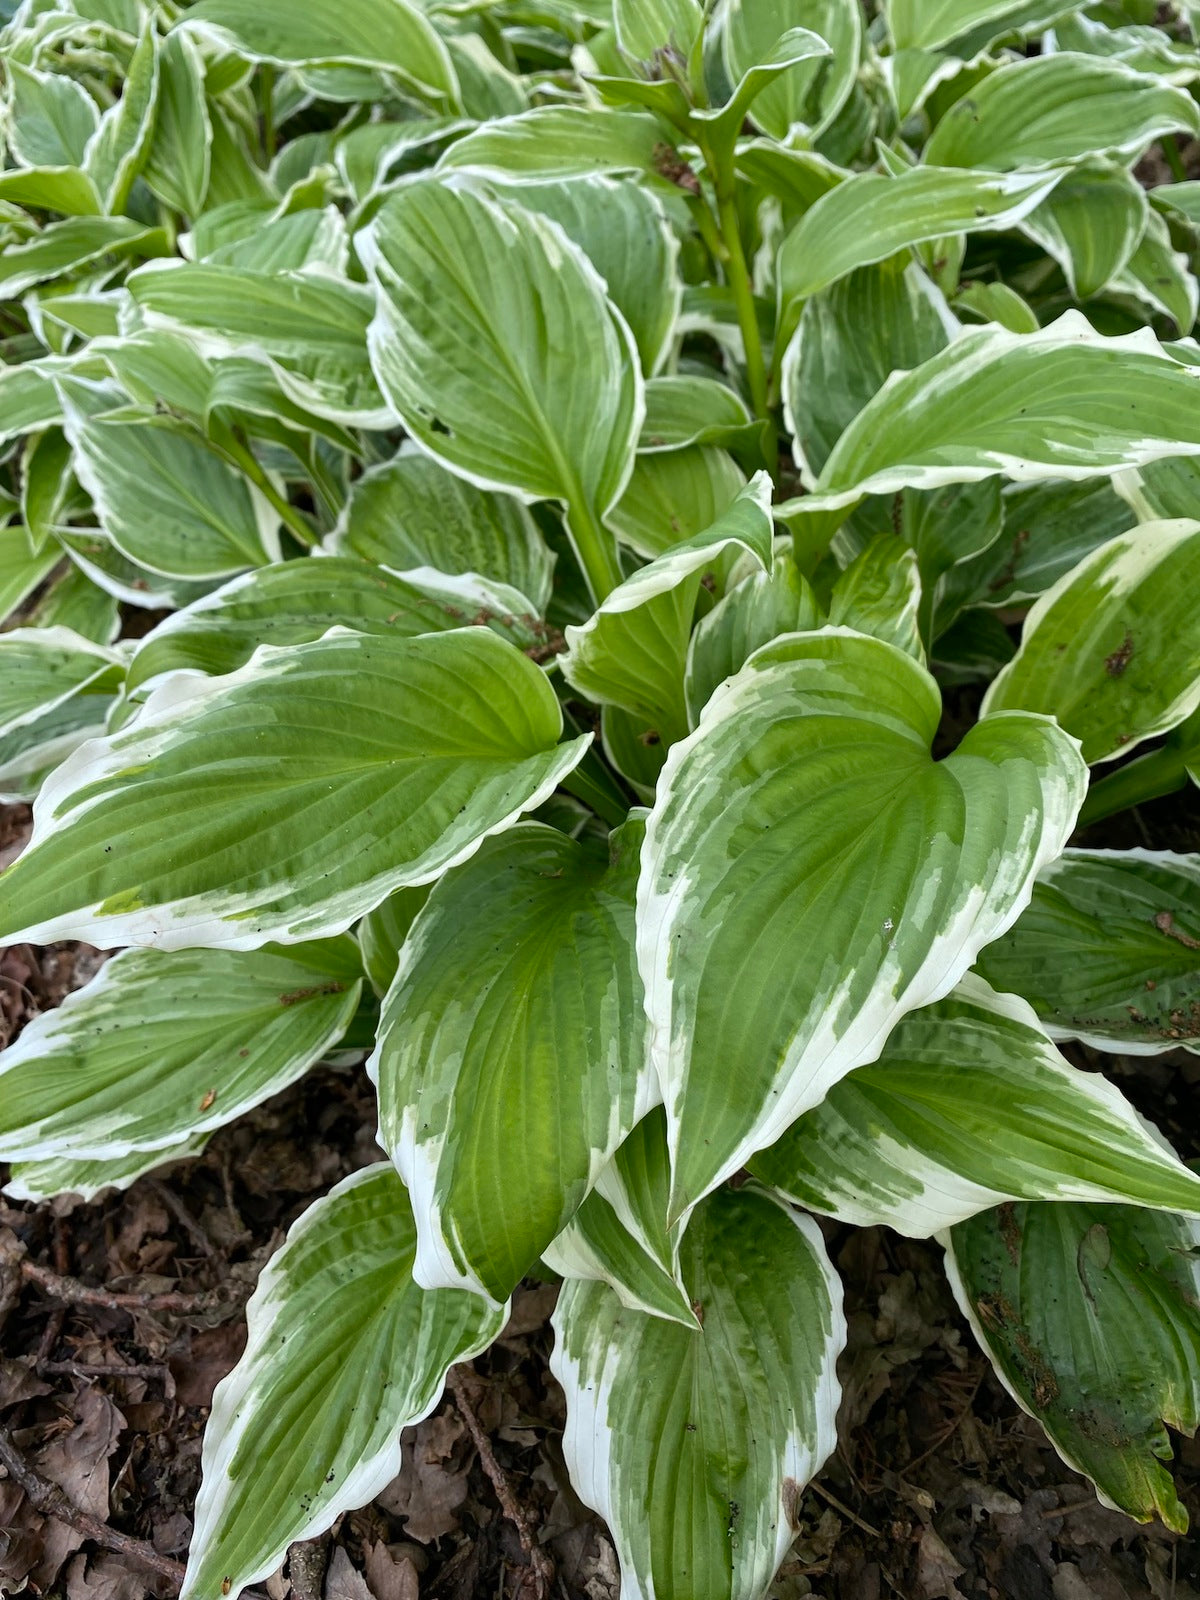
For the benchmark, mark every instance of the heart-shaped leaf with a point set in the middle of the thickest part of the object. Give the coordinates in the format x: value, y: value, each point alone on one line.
x: 811, y: 874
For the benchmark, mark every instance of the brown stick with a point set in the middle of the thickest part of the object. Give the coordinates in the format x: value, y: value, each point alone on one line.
x: 12, y: 1254
x: 52, y: 1332
x: 83, y: 1369
x: 307, y: 1561
x: 50, y: 1500
x: 540, y: 1562
x: 71, y: 1292
x: 831, y: 1499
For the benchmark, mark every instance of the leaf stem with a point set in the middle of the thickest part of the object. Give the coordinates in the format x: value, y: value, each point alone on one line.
x: 293, y: 519
x: 732, y: 255
x: 743, y: 298
x: 1161, y: 772
x: 1170, y: 146
x: 595, y: 547
x: 596, y: 794
x: 266, y: 90
x: 708, y: 230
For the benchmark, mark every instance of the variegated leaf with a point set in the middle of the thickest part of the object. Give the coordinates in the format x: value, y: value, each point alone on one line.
x: 632, y: 652
x: 501, y: 1104
x: 387, y: 35
x: 1057, y: 108
x: 673, y: 495
x: 161, y: 1047
x: 809, y: 95
x: 1109, y: 950
x: 309, y: 328
x: 695, y: 1444
x: 496, y: 344
x: 1088, y: 1314
x: 806, y: 813
x: 411, y: 512
x: 619, y: 1237
x: 752, y: 613
x: 294, y: 602
x: 968, y: 1106
x: 239, y: 801
x: 344, y: 1351
x: 1113, y: 649
x: 1063, y: 403
x: 870, y: 217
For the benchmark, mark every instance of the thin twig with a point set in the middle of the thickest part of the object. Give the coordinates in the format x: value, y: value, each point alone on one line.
x: 945, y: 1437
x: 1051, y: 1512
x: 540, y: 1562
x: 182, y: 1215
x: 71, y: 1292
x: 839, y: 1505
x: 52, y: 1332
x: 50, y: 1500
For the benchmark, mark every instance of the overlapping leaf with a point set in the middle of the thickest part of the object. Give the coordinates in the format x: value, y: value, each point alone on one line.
x: 1064, y: 403
x: 1113, y: 649
x: 240, y: 801
x: 1088, y: 1314
x: 632, y: 652
x: 1057, y: 108
x: 1109, y: 950
x: 870, y: 217
x: 806, y: 813
x: 968, y: 1106
x: 161, y: 1047
x: 295, y: 602
x: 501, y: 1106
x: 496, y: 344
x: 695, y: 1444
x: 390, y: 35
x: 410, y: 512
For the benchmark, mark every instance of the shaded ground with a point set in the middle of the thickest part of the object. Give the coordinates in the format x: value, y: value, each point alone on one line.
x: 941, y: 1489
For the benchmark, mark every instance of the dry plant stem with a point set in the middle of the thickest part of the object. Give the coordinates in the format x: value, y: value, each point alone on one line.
x: 12, y: 1255
x: 52, y: 1332
x: 86, y: 1369
x: 50, y: 1500
x: 69, y: 1291
x: 183, y: 1216
x: 457, y: 1381
x: 838, y: 1505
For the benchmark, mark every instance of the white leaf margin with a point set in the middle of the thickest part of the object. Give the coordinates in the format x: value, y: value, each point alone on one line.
x: 588, y: 1440
x: 369, y: 1477
x: 946, y: 962
x: 218, y: 927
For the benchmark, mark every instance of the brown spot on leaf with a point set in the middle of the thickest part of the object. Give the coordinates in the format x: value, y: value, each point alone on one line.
x: 1116, y: 663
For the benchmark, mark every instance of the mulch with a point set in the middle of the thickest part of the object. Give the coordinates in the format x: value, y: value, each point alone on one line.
x: 118, y: 1319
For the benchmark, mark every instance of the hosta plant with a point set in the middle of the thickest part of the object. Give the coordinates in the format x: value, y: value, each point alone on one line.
x: 588, y: 558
